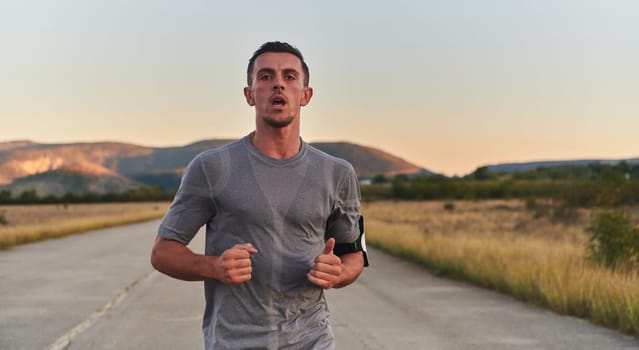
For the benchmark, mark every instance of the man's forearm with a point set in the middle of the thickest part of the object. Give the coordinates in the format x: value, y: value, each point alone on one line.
x: 352, y: 266
x: 178, y: 261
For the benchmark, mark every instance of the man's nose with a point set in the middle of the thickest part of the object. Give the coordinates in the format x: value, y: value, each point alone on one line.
x: 278, y: 83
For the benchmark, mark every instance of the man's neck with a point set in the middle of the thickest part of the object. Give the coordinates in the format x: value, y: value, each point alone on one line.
x: 281, y: 143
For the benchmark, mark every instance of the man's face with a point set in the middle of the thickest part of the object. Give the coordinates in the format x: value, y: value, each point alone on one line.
x: 277, y: 90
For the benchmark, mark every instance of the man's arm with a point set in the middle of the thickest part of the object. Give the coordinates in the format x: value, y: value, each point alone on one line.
x: 332, y: 271
x: 352, y: 266
x: 177, y: 260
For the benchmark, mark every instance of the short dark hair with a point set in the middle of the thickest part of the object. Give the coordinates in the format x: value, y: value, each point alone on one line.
x: 276, y: 46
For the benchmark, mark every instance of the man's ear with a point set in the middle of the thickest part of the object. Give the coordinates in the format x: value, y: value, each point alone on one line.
x: 248, y: 94
x: 306, y: 95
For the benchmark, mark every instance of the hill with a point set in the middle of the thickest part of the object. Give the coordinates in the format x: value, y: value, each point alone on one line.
x: 525, y: 166
x: 92, y: 159
x: 59, y: 182
x: 369, y: 161
x: 104, y: 167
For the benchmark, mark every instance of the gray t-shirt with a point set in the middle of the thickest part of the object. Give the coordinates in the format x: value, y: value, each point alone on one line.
x: 284, y: 208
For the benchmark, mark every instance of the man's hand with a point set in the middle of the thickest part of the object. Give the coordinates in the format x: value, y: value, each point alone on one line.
x: 234, y: 265
x: 328, y: 267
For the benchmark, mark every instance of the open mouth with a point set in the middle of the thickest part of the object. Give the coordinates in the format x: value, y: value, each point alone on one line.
x: 278, y: 101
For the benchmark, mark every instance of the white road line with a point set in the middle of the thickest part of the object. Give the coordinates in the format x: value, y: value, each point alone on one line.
x: 65, y: 340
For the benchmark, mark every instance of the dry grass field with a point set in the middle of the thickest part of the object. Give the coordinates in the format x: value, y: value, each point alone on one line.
x: 504, y: 246
x: 21, y: 224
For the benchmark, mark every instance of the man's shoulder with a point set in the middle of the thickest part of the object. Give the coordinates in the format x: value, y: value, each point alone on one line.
x: 337, y: 162
x: 215, y: 153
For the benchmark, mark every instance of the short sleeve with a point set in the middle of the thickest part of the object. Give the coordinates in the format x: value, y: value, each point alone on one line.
x: 343, y: 224
x: 192, y: 207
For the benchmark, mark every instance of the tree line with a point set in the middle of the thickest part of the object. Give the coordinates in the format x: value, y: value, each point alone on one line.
x: 140, y: 194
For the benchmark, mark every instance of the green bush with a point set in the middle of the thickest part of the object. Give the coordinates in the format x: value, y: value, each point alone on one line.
x: 614, y: 242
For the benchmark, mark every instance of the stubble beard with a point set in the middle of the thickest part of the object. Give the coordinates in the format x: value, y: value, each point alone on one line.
x: 279, y: 124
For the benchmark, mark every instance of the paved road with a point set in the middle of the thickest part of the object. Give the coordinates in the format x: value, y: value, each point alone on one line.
x: 99, y: 290
x: 48, y: 288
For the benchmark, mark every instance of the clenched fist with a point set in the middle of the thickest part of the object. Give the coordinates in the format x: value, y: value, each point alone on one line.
x: 328, y: 267
x: 234, y: 265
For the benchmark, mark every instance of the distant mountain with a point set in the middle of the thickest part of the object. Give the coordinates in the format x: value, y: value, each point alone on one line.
x: 369, y: 161
x: 58, y: 182
x: 4, y: 146
x: 524, y: 166
x: 104, y: 167
x: 100, y: 158
x: 168, y: 159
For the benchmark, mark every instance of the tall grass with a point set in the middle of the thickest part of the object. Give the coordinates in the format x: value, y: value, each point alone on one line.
x: 525, y: 257
x: 27, y: 224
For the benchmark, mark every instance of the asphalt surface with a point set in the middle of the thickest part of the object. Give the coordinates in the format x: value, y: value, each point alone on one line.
x: 98, y: 291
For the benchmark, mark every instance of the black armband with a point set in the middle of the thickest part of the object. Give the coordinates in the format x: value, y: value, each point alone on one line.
x: 358, y: 246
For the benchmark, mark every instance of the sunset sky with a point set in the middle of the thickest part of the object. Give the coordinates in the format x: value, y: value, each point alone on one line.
x: 448, y: 85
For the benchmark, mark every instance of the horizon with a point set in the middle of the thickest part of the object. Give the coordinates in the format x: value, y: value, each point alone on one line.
x: 423, y: 166
x: 447, y: 86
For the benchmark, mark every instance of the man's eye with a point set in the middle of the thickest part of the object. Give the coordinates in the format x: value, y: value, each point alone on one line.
x: 265, y: 77
x: 290, y: 77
